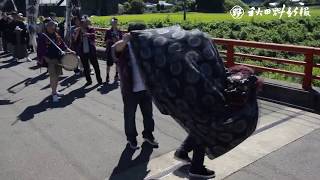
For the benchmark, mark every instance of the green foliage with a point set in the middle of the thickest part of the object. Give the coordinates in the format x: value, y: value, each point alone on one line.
x: 229, y: 4
x: 210, y: 5
x: 134, y: 7
x: 296, y: 31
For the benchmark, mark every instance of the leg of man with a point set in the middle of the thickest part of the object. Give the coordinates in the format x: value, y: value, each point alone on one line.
x: 108, y: 72
x: 1, y: 46
x: 95, y: 64
x: 145, y: 103
x: 197, y: 158
x: 86, y: 66
x: 187, y: 144
x: 181, y: 153
x: 109, y: 65
x: 130, y: 107
x: 197, y: 168
x: 54, y: 72
x: 4, y: 44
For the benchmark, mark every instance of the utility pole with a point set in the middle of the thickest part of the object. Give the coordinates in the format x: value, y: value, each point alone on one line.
x: 184, y: 10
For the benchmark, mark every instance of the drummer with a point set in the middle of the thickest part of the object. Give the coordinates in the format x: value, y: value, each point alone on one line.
x: 49, y: 54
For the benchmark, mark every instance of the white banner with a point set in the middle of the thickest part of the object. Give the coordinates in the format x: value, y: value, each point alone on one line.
x: 68, y: 19
x: 32, y: 9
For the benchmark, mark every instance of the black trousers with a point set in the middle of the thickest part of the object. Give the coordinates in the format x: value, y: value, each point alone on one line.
x: 85, y: 58
x: 190, y: 144
x: 4, y: 44
x: 131, y: 101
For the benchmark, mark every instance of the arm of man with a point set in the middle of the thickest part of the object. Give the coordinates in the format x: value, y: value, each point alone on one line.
x: 120, y: 45
x: 76, y: 34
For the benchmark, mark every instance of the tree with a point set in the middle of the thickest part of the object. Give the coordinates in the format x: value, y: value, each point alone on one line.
x: 137, y: 6
x: 210, y: 5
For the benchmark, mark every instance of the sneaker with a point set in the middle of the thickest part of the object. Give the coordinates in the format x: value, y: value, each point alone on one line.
x: 88, y: 84
x: 59, y: 94
x: 55, y: 98
x: 29, y: 59
x: 182, y: 156
x: 133, y: 144
x: 91, y: 71
x: 202, y: 173
x: 151, y: 141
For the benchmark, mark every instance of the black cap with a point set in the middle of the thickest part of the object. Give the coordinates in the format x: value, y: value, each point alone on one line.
x: 136, y: 26
x: 52, y: 14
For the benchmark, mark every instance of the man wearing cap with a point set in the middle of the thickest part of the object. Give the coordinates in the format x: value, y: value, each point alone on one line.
x: 112, y: 36
x: 85, y: 39
x: 49, y: 54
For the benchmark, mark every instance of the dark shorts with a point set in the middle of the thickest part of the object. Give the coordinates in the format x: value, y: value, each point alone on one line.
x: 109, y: 60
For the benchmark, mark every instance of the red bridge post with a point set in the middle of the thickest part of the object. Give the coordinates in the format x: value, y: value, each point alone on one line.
x: 230, y: 55
x: 307, y: 80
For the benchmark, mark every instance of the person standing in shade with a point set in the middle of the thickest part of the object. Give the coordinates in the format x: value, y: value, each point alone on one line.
x: 49, y: 54
x: 134, y: 91
x: 112, y: 36
x: 21, y: 38
x: 85, y: 38
x: 75, y: 23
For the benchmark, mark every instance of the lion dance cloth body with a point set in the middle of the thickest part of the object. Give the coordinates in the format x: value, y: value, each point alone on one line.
x: 188, y: 81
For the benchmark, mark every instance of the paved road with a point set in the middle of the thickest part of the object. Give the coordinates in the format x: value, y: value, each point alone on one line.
x: 298, y: 160
x: 82, y: 137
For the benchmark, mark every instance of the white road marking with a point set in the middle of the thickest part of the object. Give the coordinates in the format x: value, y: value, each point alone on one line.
x: 276, y: 130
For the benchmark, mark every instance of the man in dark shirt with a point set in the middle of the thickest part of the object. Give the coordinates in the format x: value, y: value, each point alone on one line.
x: 86, y: 47
x: 20, y: 37
x: 112, y: 35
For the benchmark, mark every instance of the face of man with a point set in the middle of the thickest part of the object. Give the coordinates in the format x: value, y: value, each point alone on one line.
x: 114, y: 23
x: 85, y: 23
x: 77, y: 22
x: 51, y: 28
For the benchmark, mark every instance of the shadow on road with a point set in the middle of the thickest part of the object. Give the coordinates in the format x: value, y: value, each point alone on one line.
x: 10, y: 63
x: 47, y: 103
x: 7, y: 102
x: 5, y: 55
x: 13, y: 89
x: 126, y: 162
x: 30, y: 111
x: 66, y: 83
x: 106, y: 88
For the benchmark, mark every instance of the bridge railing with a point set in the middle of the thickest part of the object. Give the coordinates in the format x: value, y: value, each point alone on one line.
x: 230, y: 57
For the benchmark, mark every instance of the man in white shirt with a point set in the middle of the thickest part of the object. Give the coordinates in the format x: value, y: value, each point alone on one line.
x: 134, y: 91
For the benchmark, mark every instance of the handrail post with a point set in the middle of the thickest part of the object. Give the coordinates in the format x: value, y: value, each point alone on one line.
x: 307, y: 80
x: 230, y: 55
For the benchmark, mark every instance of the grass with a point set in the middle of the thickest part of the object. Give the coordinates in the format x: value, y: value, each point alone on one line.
x: 103, y: 21
x: 295, y: 30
